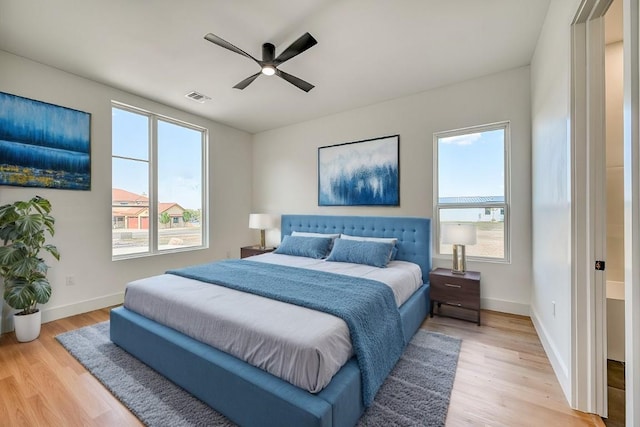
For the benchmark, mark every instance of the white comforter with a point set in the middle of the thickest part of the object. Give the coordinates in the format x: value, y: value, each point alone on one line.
x: 300, y: 345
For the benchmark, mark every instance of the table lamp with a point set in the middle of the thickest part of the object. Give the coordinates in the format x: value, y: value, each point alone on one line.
x: 262, y: 222
x: 459, y: 235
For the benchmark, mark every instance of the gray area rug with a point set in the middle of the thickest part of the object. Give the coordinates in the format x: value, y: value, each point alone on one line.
x: 416, y: 393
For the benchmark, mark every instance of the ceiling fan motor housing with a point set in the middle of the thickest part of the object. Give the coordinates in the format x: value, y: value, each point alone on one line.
x: 268, y: 52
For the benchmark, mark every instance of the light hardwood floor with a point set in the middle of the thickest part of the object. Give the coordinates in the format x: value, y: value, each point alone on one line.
x: 503, y: 379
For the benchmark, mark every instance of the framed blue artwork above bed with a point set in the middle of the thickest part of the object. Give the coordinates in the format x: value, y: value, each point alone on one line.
x: 360, y: 173
x: 44, y: 145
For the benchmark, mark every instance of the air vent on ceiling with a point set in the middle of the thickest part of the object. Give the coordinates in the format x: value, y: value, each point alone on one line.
x: 198, y: 97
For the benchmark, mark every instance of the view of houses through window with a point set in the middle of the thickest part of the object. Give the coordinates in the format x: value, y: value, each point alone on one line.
x: 471, y: 186
x: 157, y: 172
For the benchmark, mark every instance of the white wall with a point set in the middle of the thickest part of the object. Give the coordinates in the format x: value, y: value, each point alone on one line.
x: 615, y: 162
x: 551, y: 187
x: 83, y: 218
x: 615, y: 200
x: 285, y: 165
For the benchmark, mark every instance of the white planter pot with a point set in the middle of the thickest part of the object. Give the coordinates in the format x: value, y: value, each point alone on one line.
x: 27, y: 326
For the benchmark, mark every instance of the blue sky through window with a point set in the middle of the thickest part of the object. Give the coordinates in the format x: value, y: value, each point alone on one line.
x: 179, y: 165
x: 471, y: 165
x: 179, y: 159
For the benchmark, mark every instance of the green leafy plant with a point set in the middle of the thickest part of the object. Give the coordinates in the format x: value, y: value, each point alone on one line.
x: 165, y: 218
x: 23, y: 228
x: 191, y: 215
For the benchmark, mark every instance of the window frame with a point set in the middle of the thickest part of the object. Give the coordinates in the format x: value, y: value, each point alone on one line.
x: 154, y: 228
x: 438, y: 207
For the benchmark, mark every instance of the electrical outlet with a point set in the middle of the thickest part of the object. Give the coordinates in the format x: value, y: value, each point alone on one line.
x: 553, y: 303
x: 70, y: 281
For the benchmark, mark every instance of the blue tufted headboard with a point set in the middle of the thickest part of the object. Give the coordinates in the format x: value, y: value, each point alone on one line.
x: 413, y: 234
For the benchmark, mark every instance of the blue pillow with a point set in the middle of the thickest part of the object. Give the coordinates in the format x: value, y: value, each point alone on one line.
x: 310, y: 247
x: 394, y: 253
x: 393, y: 240
x: 376, y: 254
x: 323, y: 235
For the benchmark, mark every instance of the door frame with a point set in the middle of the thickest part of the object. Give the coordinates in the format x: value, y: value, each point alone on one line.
x: 631, y: 47
x: 588, y: 151
x: 588, y: 373
x: 588, y: 370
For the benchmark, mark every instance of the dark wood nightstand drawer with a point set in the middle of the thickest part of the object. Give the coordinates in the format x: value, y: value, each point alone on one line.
x: 458, y: 290
x: 463, y: 293
x: 248, y: 251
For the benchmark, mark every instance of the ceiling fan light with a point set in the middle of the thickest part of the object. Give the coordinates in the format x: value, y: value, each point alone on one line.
x: 268, y: 70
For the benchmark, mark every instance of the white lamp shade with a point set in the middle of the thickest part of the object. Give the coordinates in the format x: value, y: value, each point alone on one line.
x: 260, y: 221
x: 458, y: 234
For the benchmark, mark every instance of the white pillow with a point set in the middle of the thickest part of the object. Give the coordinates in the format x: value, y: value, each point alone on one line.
x: 370, y: 239
x: 305, y: 234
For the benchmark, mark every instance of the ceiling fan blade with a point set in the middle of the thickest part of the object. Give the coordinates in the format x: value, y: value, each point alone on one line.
x: 301, y: 84
x: 246, y: 82
x: 225, y: 44
x: 303, y: 43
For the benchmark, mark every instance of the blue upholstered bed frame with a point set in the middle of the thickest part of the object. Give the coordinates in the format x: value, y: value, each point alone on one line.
x: 250, y: 396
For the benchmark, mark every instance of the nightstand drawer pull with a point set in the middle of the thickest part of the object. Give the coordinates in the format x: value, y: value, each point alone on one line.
x: 457, y: 304
x: 452, y: 286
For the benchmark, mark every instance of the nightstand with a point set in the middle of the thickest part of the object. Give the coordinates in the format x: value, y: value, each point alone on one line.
x: 456, y: 290
x: 248, y: 251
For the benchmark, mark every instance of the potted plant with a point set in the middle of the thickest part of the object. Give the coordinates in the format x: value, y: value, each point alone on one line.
x: 23, y: 229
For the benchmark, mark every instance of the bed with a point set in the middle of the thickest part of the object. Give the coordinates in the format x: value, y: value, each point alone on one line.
x: 251, y: 396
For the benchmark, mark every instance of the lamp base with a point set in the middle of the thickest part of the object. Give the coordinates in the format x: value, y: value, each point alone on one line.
x: 459, y: 260
x: 262, y: 240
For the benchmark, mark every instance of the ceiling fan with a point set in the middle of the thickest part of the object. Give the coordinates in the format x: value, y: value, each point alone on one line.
x: 269, y: 64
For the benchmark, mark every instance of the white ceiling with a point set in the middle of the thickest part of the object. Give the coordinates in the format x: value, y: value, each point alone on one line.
x: 368, y: 51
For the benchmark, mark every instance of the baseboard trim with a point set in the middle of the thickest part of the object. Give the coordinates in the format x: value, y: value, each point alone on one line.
x: 559, y: 367
x: 505, y: 306
x: 54, y: 313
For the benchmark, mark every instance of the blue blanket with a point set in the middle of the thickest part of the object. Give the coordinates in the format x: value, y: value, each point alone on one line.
x: 368, y: 307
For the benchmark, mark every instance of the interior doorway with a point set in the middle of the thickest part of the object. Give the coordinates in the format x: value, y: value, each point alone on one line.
x: 614, y: 193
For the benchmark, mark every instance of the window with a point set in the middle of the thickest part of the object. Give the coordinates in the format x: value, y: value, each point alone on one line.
x: 471, y: 185
x: 158, y: 184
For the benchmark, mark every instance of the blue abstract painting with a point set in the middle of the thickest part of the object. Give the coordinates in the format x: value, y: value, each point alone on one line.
x: 364, y: 173
x: 44, y: 145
